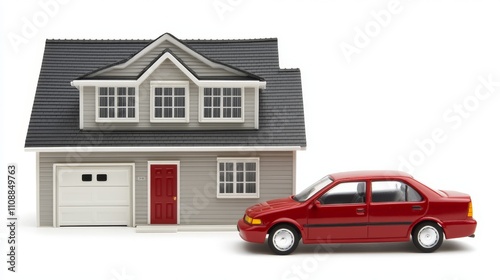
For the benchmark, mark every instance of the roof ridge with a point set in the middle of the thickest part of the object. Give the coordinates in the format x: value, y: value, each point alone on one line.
x: 190, y: 41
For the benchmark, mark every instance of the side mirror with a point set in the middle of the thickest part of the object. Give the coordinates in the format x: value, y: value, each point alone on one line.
x: 317, y: 203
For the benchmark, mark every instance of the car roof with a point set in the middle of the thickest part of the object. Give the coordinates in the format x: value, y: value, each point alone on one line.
x: 369, y: 174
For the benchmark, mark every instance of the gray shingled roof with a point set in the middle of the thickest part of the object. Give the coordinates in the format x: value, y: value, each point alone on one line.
x: 55, y: 116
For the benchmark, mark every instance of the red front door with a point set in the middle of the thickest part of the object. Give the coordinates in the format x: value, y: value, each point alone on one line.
x: 163, y: 194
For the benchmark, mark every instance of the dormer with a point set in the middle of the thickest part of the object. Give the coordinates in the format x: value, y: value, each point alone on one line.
x: 169, y: 86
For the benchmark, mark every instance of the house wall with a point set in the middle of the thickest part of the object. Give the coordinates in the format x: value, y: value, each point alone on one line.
x: 198, y: 202
x: 167, y: 71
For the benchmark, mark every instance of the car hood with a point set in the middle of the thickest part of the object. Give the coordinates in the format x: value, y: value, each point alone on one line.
x: 272, y: 205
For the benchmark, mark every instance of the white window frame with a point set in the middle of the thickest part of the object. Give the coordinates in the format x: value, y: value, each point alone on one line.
x: 221, y: 119
x: 169, y: 84
x: 234, y: 161
x: 115, y: 118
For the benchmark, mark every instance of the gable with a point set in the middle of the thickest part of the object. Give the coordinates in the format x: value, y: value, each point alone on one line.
x: 139, y: 64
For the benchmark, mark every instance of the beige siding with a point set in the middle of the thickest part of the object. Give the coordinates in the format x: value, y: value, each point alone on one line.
x: 198, y: 202
x: 166, y: 72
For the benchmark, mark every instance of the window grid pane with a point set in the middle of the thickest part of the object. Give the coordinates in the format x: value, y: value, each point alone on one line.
x: 222, y: 103
x: 125, y: 106
x: 170, y: 103
x: 238, y: 177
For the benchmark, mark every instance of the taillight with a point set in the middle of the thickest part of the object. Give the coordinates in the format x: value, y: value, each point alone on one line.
x: 469, y: 213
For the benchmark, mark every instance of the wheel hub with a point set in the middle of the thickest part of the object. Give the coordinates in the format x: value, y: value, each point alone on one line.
x: 428, y: 237
x: 283, y: 239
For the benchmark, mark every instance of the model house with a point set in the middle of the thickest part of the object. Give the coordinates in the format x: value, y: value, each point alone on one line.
x: 174, y: 132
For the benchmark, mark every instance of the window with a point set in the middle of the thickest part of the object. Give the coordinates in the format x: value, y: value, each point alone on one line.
x: 222, y: 104
x: 393, y: 191
x: 102, y: 177
x: 349, y: 192
x: 116, y: 104
x: 238, y: 177
x: 87, y: 177
x: 169, y: 101
x: 313, y: 189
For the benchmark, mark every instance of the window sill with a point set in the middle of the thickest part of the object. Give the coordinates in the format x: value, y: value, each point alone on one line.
x: 169, y: 120
x: 256, y: 196
x: 222, y: 120
x: 124, y: 120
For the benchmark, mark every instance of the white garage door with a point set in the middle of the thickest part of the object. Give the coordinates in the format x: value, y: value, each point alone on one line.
x: 93, y: 195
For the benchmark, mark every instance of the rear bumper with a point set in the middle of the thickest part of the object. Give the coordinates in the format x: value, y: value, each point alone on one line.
x: 251, y: 233
x: 462, y: 228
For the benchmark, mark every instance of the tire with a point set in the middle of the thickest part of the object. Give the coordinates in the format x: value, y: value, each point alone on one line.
x: 427, y: 237
x: 283, y: 239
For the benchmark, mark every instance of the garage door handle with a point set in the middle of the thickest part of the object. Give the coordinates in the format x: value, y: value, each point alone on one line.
x: 416, y: 207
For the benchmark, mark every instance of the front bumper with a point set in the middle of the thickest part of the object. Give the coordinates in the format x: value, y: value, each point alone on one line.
x: 252, y: 233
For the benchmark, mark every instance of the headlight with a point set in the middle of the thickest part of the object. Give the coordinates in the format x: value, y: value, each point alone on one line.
x: 252, y: 221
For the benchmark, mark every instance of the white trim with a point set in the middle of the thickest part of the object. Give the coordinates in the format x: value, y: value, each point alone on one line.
x: 165, y: 56
x: 55, y: 201
x: 170, y: 162
x: 171, y: 84
x: 255, y: 160
x: 87, y: 149
x: 80, y: 90
x: 256, y: 110
x: 171, y: 39
x: 221, y: 119
x: 133, y: 196
x: 37, y: 176
x: 116, y: 119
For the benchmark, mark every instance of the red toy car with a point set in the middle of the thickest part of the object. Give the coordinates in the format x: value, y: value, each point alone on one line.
x: 361, y: 206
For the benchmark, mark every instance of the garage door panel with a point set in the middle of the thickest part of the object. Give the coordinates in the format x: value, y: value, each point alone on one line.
x: 94, y: 196
x: 87, y: 216
x: 75, y: 176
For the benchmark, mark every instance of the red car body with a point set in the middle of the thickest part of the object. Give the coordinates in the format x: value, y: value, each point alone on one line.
x: 432, y: 213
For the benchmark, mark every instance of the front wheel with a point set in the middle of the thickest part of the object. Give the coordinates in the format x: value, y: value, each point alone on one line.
x: 427, y: 237
x: 283, y: 239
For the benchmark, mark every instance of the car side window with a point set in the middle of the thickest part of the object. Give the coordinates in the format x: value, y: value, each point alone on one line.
x: 349, y: 192
x: 393, y: 191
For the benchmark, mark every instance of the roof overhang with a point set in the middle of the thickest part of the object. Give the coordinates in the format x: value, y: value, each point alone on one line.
x: 165, y: 149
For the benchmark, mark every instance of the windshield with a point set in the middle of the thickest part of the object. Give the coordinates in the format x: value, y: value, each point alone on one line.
x: 313, y: 189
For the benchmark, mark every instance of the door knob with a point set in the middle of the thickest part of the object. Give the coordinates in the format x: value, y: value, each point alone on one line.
x: 175, y: 197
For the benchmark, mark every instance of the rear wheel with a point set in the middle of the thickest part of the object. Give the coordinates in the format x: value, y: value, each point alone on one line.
x: 283, y: 239
x: 427, y: 237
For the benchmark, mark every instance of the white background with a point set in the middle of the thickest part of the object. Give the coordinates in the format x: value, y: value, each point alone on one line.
x: 410, y: 74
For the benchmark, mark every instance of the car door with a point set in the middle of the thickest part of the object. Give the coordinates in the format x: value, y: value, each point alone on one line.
x: 339, y: 214
x: 393, y: 207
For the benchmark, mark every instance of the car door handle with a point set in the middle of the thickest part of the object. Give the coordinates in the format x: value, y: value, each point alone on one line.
x: 416, y: 207
x: 360, y: 211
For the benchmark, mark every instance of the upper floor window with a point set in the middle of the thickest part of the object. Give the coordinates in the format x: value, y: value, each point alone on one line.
x: 222, y: 104
x: 169, y: 101
x: 116, y: 104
